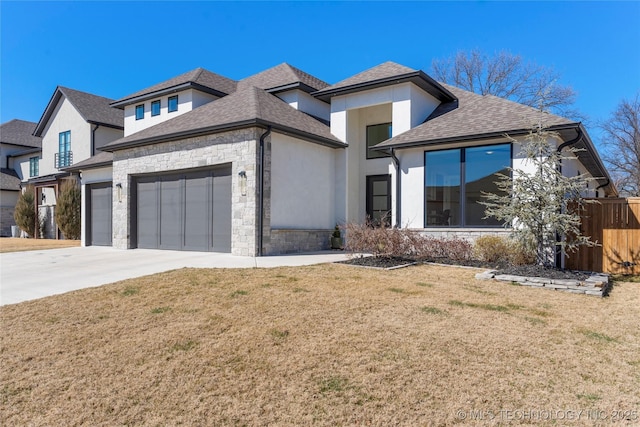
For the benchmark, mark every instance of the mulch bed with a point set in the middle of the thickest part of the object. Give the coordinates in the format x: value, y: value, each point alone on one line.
x: 501, y: 268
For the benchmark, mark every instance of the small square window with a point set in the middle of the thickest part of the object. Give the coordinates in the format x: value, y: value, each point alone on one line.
x: 155, y: 108
x: 140, y: 112
x: 173, y: 103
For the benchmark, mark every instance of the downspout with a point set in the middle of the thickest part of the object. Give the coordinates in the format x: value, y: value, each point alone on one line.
x: 604, y: 185
x: 93, y: 140
x: 396, y: 162
x: 261, y: 189
x: 559, y: 149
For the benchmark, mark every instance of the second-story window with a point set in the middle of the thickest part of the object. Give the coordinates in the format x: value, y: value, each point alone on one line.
x: 140, y: 112
x: 155, y: 108
x: 173, y: 103
x: 64, y: 150
x: 34, y: 166
x: 375, y: 135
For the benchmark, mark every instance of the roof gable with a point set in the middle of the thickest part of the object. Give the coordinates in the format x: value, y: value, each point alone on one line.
x: 386, y: 74
x: 19, y: 132
x: 283, y: 77
x: 199, y: 79
x: 247, y: 107
x: 9, y: 180
x: 92, y: 109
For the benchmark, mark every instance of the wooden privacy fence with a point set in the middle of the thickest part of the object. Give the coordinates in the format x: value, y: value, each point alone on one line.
x: 615, y: 225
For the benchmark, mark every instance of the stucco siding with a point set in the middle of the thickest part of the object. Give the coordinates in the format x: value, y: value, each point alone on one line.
x: 104, y: 135
x: 302, y: 184
x: 64, y: 118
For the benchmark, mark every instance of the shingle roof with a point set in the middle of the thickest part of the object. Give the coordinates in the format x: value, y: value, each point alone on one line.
x: 19, y: 132
x: 379, y: 72
x: 9, y: 180
x: 199, y: 78
x: 247, y: 107
x: 283, y: 76
x: 92, y: 108
x: 99, y: 160
x: 472, y: 116
x: 385, y: 74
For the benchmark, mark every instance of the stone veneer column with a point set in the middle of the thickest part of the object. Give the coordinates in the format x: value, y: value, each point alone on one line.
x: 239, y: 148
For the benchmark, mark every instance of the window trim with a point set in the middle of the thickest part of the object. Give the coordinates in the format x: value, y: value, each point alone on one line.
x: 154, y: 103
x: 169, y: 109
x: 136, y: 111
x: 381, y: 154
x: 34, y: 166
x: 463, y: 198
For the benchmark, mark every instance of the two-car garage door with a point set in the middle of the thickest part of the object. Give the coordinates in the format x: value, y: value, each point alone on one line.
x: 184, y: 211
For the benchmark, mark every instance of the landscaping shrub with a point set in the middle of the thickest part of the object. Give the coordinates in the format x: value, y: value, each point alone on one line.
x: 491, y: 248
x: 68, y: 207
x: 25, y: 211
x: 403, y: 243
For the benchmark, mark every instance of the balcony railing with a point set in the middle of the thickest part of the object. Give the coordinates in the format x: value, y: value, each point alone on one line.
x: 64, y: 159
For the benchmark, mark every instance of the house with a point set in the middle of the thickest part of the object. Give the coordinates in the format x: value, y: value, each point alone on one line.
x: 271, y: 163
x: 74, y: 126
x: 19, y: 156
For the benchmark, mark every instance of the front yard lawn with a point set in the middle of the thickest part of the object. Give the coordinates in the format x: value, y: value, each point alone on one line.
x: 12, y: 244
x: 320, y: 345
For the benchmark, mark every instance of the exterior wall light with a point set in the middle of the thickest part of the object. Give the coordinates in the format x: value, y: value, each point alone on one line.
x: 119, y: 192
x: 243, y: 182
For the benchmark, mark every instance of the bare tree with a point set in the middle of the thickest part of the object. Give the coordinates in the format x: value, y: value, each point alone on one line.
x: 507, y: 76
x: 622, y: 142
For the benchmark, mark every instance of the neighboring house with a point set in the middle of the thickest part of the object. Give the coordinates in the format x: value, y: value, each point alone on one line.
x: 75, y: 125
x: 270, y: 164
x: 19, y: 158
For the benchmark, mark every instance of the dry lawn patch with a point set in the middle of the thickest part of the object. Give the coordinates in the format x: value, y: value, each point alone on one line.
x: 319, y: 345
x: 12, y: 244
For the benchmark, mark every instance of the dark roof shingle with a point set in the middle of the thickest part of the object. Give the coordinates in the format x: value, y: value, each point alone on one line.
x: 472, y: 116
x: 9, y: 180
x: 92, y: 108
x: 19, y: 132
x: 199, y: 77
x: 246, y: 107
x: 280, y: 76
x: 99, y: 160
x: 383, y: 71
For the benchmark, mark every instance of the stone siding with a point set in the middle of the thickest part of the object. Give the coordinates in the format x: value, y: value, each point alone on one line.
x: 6, y: 220
x: 238, y: 148
x: 282, y: 241
x: 464, y: 233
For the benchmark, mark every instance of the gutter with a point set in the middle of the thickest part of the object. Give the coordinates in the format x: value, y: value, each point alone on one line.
x: 261, y: 189
x: 396, y: 162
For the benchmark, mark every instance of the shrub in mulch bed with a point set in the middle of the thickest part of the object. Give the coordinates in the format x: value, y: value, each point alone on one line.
x: 394, y: 247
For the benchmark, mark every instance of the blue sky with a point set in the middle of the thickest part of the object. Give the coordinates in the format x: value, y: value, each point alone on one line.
x: 116, y: 48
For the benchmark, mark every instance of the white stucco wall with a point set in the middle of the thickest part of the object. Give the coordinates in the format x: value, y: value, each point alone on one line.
x: 302, y: 101
x: 302, y: 184
x: 21, y: 165
x: 104, y: 135
x: 64, y: 118
x: 90, y: 176
x: 187, y: 101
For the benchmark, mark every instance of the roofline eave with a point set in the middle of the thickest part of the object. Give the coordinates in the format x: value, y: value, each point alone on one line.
x: 419, y: 78
x: 160, y: 92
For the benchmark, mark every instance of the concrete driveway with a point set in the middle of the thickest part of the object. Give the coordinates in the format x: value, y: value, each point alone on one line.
x: 36, y: 274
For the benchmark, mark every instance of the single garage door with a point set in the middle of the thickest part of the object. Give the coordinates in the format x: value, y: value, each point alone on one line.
x: 100, y: 205
x: 186, y: 211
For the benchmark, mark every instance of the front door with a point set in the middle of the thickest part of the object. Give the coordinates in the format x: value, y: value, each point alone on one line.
x: 379, y: 200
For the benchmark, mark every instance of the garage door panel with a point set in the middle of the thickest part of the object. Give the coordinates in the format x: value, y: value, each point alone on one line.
x: 170, y: 213
x: 188, y: 211
x: 101, y: 211
x: 221, y: 221
x: 147, y: 210
x: 197, y: 212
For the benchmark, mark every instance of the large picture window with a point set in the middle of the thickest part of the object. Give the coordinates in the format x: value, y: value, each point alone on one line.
x: 375, y: 135
x: 455, y: 180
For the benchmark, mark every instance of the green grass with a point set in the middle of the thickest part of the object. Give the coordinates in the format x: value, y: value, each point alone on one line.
x: 238, y: 293
x: 184, y: 346
x: 333, y: 384
x: 159, y: 310
x: 425, y: 285
x: 397, y: 290
x: 597, y: 336
x: 589, y: 397
x: 130, y: 290
x: 490, y: 307
x: 432, y: 310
